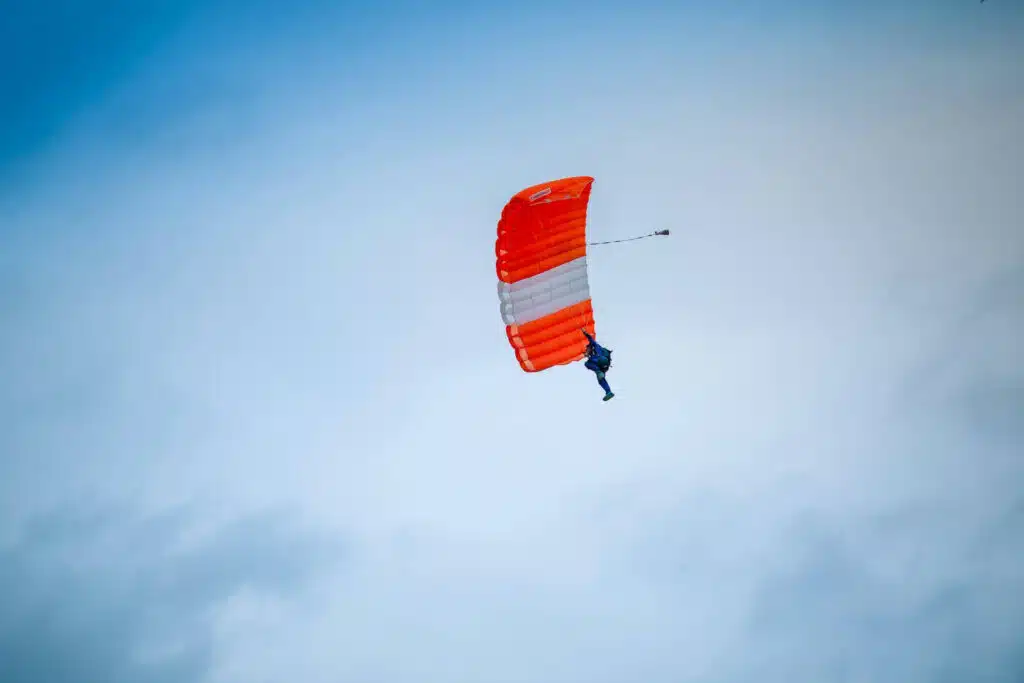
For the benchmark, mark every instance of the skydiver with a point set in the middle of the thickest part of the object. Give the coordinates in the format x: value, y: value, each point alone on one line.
x: 599, y: 360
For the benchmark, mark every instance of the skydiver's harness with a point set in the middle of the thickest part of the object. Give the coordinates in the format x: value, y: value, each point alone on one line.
x: 603, y: 361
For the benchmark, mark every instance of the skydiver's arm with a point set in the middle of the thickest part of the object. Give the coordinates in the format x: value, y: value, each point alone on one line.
x: 587, y: 335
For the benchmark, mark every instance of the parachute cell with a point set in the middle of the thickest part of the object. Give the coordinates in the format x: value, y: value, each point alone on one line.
x: 541, y: 255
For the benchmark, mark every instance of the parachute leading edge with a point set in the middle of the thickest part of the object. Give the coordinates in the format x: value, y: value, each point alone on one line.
x: 541, y: 255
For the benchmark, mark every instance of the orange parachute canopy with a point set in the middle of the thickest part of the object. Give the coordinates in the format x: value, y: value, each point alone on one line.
x: 541, y: 255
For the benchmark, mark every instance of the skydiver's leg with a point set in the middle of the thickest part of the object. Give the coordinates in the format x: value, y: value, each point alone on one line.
x: 596, y: 369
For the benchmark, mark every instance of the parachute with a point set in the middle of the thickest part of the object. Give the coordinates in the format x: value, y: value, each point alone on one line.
x: 541, y: 255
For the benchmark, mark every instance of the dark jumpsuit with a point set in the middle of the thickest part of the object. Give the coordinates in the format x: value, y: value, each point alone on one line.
x: 599, y: 360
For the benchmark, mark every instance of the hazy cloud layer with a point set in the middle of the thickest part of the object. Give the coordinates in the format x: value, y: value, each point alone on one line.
x: 114, y: 597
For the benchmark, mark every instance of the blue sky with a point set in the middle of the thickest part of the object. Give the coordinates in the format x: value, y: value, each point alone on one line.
x: 260, y: 421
